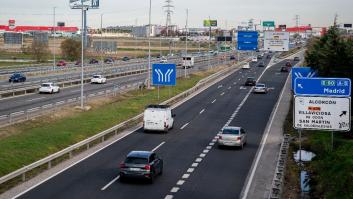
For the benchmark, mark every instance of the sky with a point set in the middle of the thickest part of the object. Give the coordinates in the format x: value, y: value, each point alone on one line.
x: 229, y: 13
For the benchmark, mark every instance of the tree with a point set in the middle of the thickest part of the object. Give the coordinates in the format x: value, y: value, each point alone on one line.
x: 71, y: 49
x: 331, y: 55
x: 39, y: 51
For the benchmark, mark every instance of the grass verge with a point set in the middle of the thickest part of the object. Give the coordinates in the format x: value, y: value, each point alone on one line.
x: 30, y: 141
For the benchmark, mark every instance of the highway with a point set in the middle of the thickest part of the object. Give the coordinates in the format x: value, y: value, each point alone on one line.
x: 25, y: 102
x: 193, y: 166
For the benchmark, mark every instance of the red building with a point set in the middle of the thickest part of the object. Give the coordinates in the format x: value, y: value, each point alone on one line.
x: 11, y: 27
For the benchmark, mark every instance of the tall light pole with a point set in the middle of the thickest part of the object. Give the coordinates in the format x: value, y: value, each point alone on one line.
x: 209, y: 44
x: 149, y: 48
x: 82, y: 45
x: 186, y: 39
x: 101, y: 50
x: 54, y: 37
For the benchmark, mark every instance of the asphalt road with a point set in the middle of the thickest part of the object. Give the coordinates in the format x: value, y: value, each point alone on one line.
x: 219, y: 174
x: 25, y: 102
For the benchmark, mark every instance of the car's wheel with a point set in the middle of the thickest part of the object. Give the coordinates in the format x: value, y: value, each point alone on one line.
x: 161, y: 172
x: 58, y: 90
x: 121, y: 179
x: 242, y: 146
x: 151, y: 180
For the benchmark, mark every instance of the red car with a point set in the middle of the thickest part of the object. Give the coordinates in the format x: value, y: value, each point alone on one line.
x: 61, y: 63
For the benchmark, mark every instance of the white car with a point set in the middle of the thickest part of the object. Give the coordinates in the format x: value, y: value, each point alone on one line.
x: 246, y: 66
x: 163, y: 60
x: 260, y: 88
x: 49, y: 87
x: 254, y: 59
x: 98, y: 79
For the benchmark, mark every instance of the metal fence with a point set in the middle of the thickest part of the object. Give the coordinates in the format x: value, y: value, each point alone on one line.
x: 100, y: 137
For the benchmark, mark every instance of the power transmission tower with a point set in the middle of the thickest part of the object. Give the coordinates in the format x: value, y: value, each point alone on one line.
x: 168, y: 6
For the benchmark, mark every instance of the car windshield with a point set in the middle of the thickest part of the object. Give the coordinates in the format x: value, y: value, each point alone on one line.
x: 96, y: 76
x: 260, y: 85
x: 136, y: 160
x: 249, y: 79
x: 230, y: 131
x: 45, y: 85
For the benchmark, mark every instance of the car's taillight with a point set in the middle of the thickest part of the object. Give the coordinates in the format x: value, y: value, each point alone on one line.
x: 122, y: 165
x: 147, y: 167
x: 220, y: 137
x: 238, y: 138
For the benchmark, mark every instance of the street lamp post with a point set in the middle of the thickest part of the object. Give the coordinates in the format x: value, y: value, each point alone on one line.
x: 101, y: 49
x: 149, y: 48
x: 54, y: 31
x: 82, y: 45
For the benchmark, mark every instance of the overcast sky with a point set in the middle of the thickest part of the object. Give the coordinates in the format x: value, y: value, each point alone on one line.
x: 230, y: 13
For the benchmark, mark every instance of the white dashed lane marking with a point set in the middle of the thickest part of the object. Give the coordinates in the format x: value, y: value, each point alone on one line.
x: 202, y: 111
x: 214, y: 101
x: 222, y: 93
x: 184, y: 126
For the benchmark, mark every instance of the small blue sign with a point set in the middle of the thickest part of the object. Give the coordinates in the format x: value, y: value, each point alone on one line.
x: 302, y: 72
x: 335, y: 87
x: 164, y: 74
x: 248, y: 40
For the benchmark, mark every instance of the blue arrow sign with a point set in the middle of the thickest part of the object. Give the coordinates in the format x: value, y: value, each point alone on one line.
x: 302, y: 72
x: 247, y: 40
x: 338, y: 87
x: 164, y: 74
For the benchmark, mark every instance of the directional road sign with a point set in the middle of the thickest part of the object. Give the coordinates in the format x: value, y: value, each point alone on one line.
x: 247, y: 40
x: 302, y: 72
x: 322, y: 113
x: 164, y: 74
x: 339, y: 87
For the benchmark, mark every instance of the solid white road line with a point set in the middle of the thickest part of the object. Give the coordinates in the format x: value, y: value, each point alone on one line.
x: 262, y: 144
x: 202, y: 111
x: 184, y: 126
x: 214, y: 101
x: 34, y: 99
x: 110, y: 183
x: 155, y: 148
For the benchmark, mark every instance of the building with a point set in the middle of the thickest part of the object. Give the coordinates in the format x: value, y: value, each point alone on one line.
x: 142, y: 31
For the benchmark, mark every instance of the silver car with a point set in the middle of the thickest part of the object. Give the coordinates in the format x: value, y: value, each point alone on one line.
x: 232, y: 136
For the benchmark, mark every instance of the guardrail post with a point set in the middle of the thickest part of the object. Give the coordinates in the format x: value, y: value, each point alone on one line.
x: 103, y: 139
x: 49, y: 164
x: 70, y: 154
x: 10, y: 118
x: 23, y: 176
x: 87, y: 146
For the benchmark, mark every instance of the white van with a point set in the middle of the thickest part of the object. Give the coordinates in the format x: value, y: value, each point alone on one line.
x: 158, y: 118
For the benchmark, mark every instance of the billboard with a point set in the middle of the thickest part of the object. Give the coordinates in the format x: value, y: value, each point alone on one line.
x: 61, y: 24
x: 268, y: 24
x: 41, y: 37
x: 222, y: 38
x: 276, y: 41
x: 347, y: 25
x: 13, y: 38
x: 105, y: 46
x: 248, y: 40
x: 209, y: 23
x: 77, y: 4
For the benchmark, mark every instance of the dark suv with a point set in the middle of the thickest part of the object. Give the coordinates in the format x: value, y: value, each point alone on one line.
x: 141, y: 164
x: 250, y: 81
x: 17, y: 77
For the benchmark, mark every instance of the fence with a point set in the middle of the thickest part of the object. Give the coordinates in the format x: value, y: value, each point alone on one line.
x: 101, y: 137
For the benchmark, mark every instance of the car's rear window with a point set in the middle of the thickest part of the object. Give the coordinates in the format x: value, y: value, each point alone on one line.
x: 136, y: 160
x: 96, y: 76
x: 231, y: 131
x: 260, y: 85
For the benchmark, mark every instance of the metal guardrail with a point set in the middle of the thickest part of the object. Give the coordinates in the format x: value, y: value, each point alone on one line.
x: 277, y: 182
x: 100, y: 137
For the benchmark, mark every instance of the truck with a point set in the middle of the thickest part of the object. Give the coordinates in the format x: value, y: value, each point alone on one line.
x: 188, y: 61
x: 158, y: 118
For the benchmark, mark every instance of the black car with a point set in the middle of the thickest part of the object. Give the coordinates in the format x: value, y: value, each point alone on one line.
x: 268, y: 57
x: 296, y: 59
x: 108, y: 60
x: 232, y: 57
x: 288, y: 64
x: 17, y: 77
x: 250, y: 81
x: 125, y: 59
x: 261, y: 64
x: 284, y: 69
x: 141, y: 164
x: 259, y: 57
x: 93, y: 61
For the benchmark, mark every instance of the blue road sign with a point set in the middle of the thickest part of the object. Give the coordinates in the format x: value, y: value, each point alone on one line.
x: 302, y: 72
x: 247, y: 40
x: 164, y: 74
x: 333, y: 87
